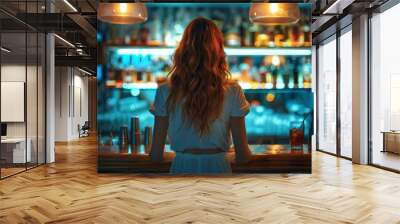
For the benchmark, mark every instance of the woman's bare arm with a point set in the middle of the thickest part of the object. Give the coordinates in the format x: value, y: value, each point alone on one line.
x: 238, y: 128
x: 159, y: 137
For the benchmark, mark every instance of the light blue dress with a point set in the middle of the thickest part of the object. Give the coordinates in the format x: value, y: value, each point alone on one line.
x: 184, y: 136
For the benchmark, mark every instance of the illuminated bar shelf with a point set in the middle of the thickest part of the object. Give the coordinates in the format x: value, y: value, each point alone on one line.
x: 244, y: 85
x: 231, y: 51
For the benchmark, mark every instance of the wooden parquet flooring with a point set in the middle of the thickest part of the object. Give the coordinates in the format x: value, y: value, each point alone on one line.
x: 71, y: 191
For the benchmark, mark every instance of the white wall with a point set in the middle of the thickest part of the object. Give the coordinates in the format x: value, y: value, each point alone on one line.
x: 71, y: 102
x: 13, y: 73
x: 62, y: 82
x: 80, y: 110
x: 16, y: 73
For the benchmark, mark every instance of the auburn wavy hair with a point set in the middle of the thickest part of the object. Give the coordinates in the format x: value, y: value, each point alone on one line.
x: 199, y: 75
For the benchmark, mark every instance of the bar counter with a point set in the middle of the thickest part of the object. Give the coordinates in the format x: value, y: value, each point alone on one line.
x: 265, y: 159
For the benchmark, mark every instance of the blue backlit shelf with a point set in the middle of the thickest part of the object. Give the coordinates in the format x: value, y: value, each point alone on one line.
x: 245, y: 86
x: 239, y: 51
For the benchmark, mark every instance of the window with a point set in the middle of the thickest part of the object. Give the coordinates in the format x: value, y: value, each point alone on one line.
x: 385, y: 89
x: 22, y: 77
x: 346, y: 93
x: 327, y: 96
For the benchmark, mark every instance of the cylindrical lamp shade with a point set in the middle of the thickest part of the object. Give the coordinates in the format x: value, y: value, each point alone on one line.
x: 122, y: 13
x: 274, y: 13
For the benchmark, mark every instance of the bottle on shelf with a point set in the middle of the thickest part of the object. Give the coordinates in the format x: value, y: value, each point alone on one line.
x: 271, y: 34
x: 306, y: 32
x: 123, y: 138
x: 148, y: 134
x: 243, y: 32
x: 165, y: 27
x: 279, y: 36
x: 253, y: 30
x: 135, y: 132
x: 111, y: 138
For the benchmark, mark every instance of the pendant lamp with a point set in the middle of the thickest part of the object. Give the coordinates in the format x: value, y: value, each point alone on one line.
x: 122, y: 13
x: 274, y: 13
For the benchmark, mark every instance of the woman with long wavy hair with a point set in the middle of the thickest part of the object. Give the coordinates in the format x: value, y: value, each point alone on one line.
x: 199, y: 107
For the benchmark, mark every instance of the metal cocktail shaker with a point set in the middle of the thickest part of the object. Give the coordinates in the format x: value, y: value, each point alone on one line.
x: 123, y: 137
x: 148, y: 138
x: 135, y: 132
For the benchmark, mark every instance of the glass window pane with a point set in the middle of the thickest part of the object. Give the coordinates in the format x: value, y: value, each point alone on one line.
x: 31, y: 97
x: 41, y: 99
x: 385, y: 89
x: 23, y: 85
x: 32, y: 86
x: 346, y: 94
x: 13, y: 86
x: 327, y: 97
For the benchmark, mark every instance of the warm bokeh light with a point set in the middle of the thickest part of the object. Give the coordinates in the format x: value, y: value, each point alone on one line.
x: 122, y: 13
x: 270, y: 97
x: 123, y: 7
x: 274, y: 13
x: 274, y: 8
x: 275, y: 60
x: 275, y: 149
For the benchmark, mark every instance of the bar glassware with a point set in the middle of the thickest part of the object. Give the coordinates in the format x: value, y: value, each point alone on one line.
x: 296, y: 135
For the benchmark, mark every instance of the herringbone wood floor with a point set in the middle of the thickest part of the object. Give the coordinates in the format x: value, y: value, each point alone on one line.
x: 71, y: 191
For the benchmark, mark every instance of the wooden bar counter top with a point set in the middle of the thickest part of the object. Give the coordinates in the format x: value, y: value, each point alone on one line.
x: 265, y: 159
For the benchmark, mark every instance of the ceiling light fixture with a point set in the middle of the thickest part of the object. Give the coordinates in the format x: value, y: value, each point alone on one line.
x: 70, y: 5
x: 65, y: 41
x: 5, y: 50
x: 274, y: 13
x: 337, y: 7
x: 122, y: 13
